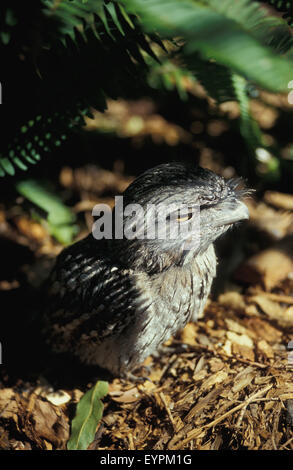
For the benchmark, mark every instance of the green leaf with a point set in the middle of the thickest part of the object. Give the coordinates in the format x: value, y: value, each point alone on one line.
x: 285, y: 7
x: 253, y: 137
x: 7, y: 166
x: 29, y: 142
x: 215, y: 35
x: 60, y: 219
x: 126, y: 16
x: 269, y: 30
x: 19, y: 163
x: 214, y: 77
x: 249, y: 128
x: 88, y: 414
x: 64, y: 234
x: 5, y: 37
x: 111, y: 9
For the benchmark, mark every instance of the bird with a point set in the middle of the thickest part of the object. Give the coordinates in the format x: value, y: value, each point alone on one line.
x: 113, y: 301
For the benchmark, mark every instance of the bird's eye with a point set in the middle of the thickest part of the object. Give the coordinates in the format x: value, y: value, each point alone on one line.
x: 185, y: 217
x: 181, y: 217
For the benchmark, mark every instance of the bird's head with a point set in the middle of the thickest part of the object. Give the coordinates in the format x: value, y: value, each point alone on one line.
x: 173, y: 212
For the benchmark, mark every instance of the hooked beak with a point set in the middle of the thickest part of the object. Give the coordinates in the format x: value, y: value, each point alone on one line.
x: 229, y: 212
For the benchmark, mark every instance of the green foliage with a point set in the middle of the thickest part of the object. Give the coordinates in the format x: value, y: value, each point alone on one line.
x: 83, y: 53
x: 37, y: 137
x: 283, y: 6
x: 59, y: 218
x: 88, y: 414
x: 75, y: 16
x: 168, y: 75
x: 217, y: 32
x: 72, y: 55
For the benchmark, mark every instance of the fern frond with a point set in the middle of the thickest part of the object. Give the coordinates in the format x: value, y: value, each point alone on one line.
x: 283, y: 6
x: 248, y: 127
x: 269, y: 30
x: 215, y: 35
x: 71, y: 55
x: 252, y: 135
x: 215, y: 78
x: 38, y: 137
x: 102, y: 18
x: 87, y: 58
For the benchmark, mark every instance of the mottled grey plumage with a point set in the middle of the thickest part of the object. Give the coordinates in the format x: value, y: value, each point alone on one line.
x: 114, y: 302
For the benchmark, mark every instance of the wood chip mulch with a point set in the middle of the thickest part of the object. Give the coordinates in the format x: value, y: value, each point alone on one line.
x: 228, y: 385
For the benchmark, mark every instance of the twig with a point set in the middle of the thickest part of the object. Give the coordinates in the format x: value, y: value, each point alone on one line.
x: 195, y: 433
x: 225, y: 356
x: 131, y: 443
x: 163, y: 398
x: 286, y: 299
x: 286, y: 443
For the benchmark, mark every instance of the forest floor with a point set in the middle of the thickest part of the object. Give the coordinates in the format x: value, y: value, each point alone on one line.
x: 228, y: 385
